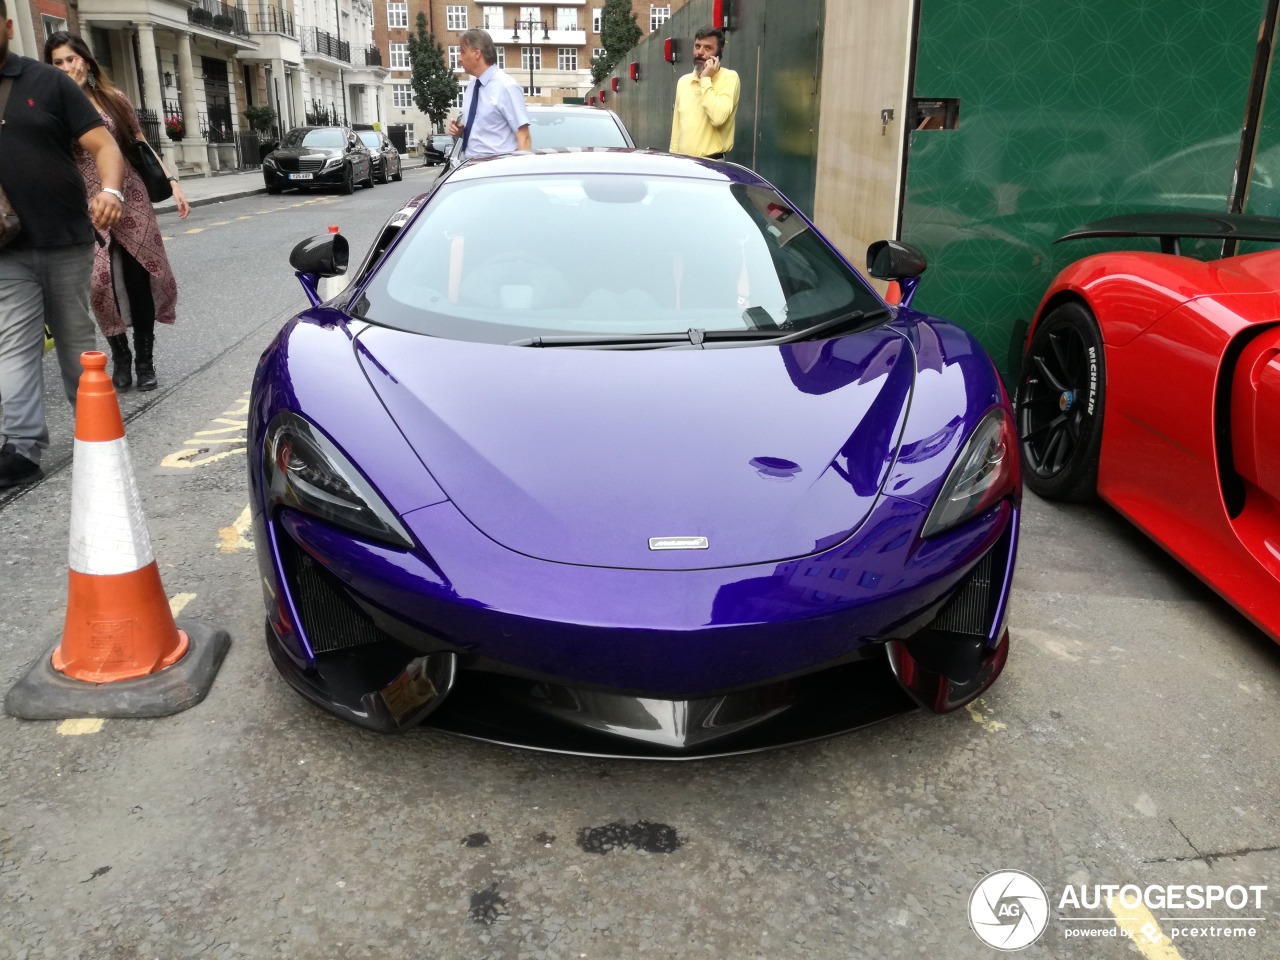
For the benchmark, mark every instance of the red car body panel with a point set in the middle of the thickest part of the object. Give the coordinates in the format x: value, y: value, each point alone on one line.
x: 1191, y: 424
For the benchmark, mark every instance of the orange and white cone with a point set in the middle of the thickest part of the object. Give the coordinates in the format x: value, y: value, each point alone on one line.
x: 118, y: 623
x: 119, y: 632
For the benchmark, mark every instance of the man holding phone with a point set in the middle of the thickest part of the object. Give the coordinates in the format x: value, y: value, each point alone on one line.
x: 706, y: 101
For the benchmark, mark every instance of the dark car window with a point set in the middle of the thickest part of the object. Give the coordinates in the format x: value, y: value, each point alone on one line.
x: 574, y: 130
x: 372, y: 141
x: 321, y: 137
x: 683, y: 253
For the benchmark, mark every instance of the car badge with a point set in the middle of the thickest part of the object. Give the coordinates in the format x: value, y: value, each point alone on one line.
x: 678, y: 543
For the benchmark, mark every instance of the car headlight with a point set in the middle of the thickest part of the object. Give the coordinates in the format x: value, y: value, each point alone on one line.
x: 333, y: 162
x: 268, y: 162
x: 303, y: 469
x: 986, y: 471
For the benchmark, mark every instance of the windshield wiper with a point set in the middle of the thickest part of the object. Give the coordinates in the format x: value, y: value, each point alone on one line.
x: 695, y: 336
x: 853, y: 317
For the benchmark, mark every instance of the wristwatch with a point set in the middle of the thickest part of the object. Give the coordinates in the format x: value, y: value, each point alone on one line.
x: 114, y: 192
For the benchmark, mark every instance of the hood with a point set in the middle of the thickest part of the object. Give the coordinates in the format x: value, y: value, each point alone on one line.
x: 651, y: 459
x: 297, y: 153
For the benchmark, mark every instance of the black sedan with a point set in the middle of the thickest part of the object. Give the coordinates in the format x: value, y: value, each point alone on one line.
x: 435, y: 149
x: 386, y: 158
x: 311, y: 157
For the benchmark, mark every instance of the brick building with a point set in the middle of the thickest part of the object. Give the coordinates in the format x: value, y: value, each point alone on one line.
x: 547, y: 47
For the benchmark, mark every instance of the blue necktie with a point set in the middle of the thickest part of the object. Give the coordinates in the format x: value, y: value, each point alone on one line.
x: 471, y: 113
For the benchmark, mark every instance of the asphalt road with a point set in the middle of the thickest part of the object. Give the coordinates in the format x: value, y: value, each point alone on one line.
x: 1133, y: 738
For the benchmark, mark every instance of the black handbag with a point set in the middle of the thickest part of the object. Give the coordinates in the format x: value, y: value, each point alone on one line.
x: 151, y: 170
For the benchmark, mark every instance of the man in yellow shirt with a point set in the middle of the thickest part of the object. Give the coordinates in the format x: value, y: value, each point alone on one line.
x: 706, y: 101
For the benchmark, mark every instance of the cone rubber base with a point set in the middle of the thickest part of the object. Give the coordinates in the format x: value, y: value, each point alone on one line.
x: 45, y: 694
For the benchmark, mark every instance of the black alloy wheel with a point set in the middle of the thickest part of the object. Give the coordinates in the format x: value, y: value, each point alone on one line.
x: 348, y: 180
x: 1060, y: 404
x: 384, y: 175
x: 368, y: 180
x: 399, y: 174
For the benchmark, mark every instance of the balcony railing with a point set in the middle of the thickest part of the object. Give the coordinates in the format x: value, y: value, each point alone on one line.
x: 370, y: 56
x: 315, y: 40
x: 215, y: 15
x: 265, y: 18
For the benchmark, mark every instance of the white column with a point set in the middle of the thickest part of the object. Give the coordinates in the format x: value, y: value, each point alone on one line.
x: 151, y: 91
x: 192, y: 146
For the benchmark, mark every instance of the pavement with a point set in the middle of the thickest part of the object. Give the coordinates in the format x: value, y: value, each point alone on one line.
x: 231, y: 186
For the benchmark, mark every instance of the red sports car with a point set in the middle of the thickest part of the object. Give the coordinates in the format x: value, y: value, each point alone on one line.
x: 1153, y: 381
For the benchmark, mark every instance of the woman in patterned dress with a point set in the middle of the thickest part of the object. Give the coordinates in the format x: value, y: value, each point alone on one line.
x: 133, y: 284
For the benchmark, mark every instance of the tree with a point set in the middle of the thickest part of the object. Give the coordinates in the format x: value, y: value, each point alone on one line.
x: 434, y: 85
x: 619, y: 32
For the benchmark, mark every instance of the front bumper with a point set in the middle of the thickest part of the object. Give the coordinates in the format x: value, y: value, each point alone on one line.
x: 386, y: 643
x: 319, y: 178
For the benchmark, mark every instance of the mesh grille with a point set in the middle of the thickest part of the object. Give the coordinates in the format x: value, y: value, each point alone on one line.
x: 330, y: 620
x: 970, y: 609
x: 294, y: 164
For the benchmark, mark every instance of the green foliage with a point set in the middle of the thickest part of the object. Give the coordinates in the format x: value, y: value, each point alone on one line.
x: 619, y: 32
x: 434, y: 85
x: 261, y: 119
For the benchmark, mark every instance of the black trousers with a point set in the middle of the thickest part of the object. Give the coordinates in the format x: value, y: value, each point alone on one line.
x: 137, y: 287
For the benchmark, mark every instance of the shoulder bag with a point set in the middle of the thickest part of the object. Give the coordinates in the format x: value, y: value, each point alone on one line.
x: 151, y: 170
x: 10, y: 225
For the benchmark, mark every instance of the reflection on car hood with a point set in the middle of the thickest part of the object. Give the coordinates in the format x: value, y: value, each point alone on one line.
x: 295, y: 152
x: 586, y: 456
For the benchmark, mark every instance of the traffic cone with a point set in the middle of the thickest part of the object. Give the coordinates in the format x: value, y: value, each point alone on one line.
x: 122, y: 653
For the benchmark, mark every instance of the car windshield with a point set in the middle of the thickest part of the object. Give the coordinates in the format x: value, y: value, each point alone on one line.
x: 505, y: 258
x: 315, y: 138
x: 370, y: 140
x: 574, y: 130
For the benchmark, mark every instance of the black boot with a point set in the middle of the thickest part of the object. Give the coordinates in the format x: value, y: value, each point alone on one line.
x: 143, y: 343
x: 121, y: 360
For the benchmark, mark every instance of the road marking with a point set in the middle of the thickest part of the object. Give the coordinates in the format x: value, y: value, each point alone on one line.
x: 220, y: 223
x: 977, y: 709
x: 196, y: 450
x: 179, y: 601
x: 1144, y: 932
x: 77, y: 728
x: 196, y: 230
x: 233, y: 537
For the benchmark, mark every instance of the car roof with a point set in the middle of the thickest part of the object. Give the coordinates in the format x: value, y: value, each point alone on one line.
x: 617, y: 160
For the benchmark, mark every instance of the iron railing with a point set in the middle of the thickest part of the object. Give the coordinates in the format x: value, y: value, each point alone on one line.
x: 320, y: 115
x: 248, y: 150
x: 371, y: 56
x: 264, y: 18
x: 150, y: 124
x: 315, y: 40
x: 216, y: 128
x: 216, y: 15
x: 173, y: 111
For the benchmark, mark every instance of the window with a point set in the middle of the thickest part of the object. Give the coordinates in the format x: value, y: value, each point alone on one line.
x: 457, y: 101
x: 397, y: 14
x: 492, y: 18
x: 530, y: 58
x: 658, y: 16
x: 399, y: 56
x: 597, y: 53
x: 530, y: 13
x: 532, y: 91
x: 455, y: 55
x: 401, y: 95
x: 52, y: 25
x: 566, y: 18
x: 410, y: 139
x: 455, y: 17
x: 595, y: 19
x: 568, y: 58
x: 502, y: 58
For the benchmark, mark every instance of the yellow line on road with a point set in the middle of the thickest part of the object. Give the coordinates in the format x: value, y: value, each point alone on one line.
x: 233, y: 537
x: 196, y: 230
x: 76, y: 728
x: 179, y: 601
x: 219, y: 223
x: 1143, y: 929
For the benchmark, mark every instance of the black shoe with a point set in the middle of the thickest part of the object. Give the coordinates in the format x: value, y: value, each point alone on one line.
x: 15, y: 469
x: 143, y: 345
x: 121, y: 361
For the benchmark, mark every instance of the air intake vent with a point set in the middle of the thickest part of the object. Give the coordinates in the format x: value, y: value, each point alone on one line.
x: 970, y: 609
x: 330, y: 619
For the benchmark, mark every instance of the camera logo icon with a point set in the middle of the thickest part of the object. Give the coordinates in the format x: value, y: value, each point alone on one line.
x: 1008, y: 910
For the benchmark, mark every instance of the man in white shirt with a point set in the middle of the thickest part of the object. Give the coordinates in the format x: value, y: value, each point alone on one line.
x: 493, y: 104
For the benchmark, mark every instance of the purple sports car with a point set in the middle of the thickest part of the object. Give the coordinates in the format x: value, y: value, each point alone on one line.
x: 611, y: 452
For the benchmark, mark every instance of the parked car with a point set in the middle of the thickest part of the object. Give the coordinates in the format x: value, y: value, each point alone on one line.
x: 436, y: 149
x: 386, y: 158
x: 309, y: 158
x: 699, y: 499
x: 566, y: 125
x: 1152, y: 380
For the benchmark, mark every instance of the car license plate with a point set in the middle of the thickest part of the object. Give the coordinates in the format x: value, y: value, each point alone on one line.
x: 300, y: 176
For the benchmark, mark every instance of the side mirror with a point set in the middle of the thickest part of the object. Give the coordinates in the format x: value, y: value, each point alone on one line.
x: 317, y: 257
x: 895, y: 260
x: 899, y: 263
x: 325, y: 256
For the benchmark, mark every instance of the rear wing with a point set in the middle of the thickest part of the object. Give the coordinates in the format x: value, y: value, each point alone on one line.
x: 1172, y: 228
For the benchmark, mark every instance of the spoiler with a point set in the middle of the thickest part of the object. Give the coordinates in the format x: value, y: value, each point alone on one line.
x: 1171, y: 228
